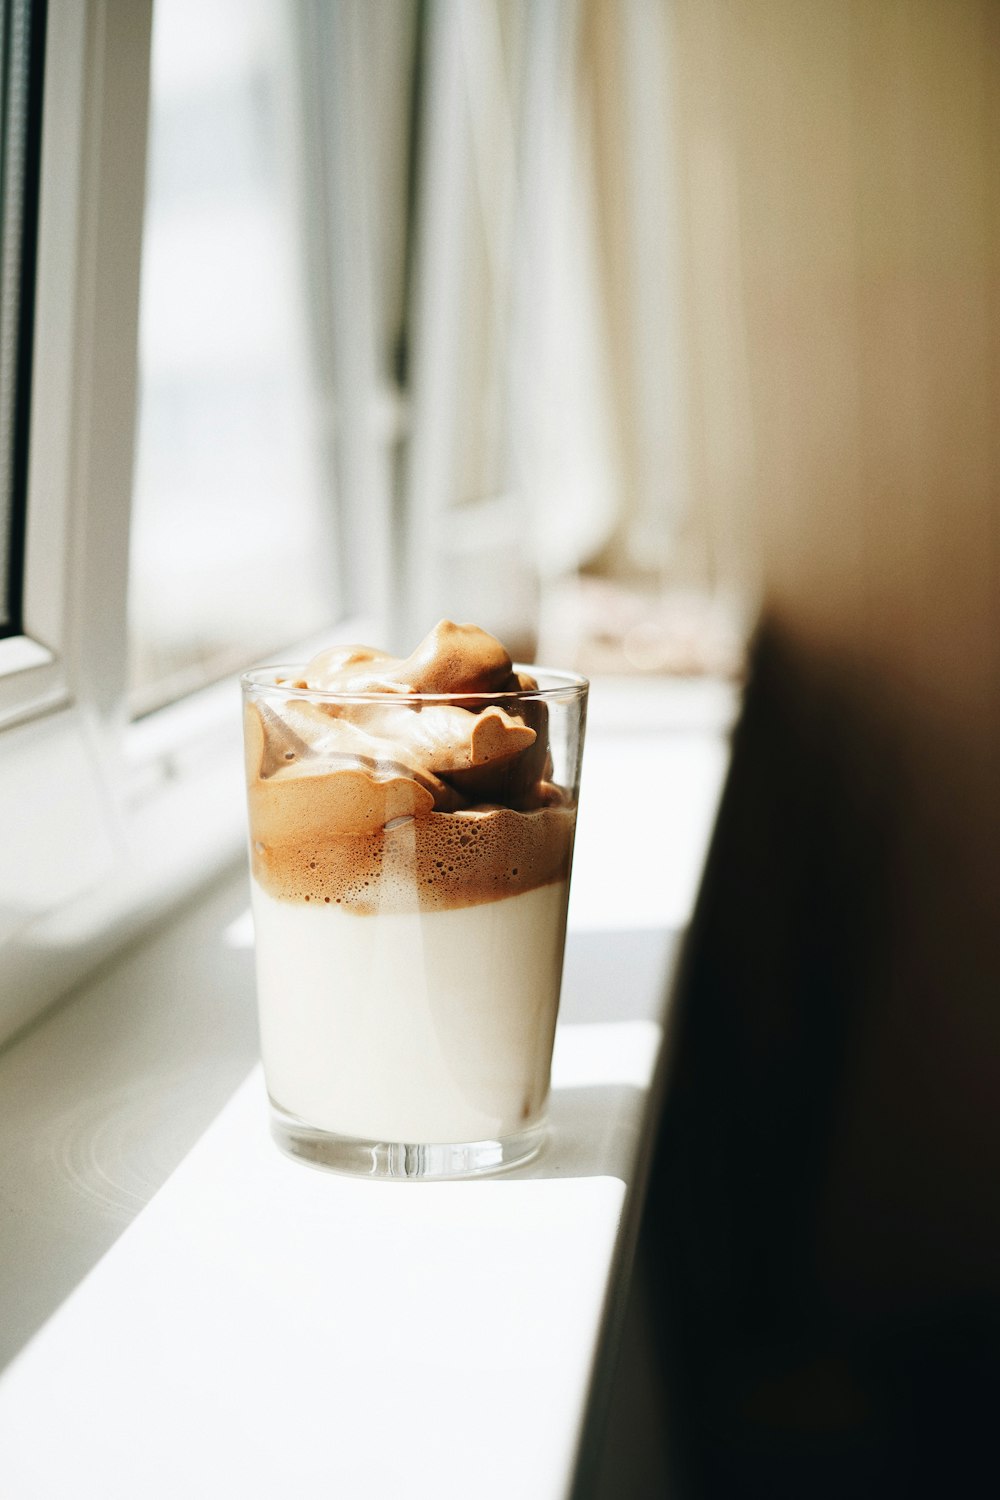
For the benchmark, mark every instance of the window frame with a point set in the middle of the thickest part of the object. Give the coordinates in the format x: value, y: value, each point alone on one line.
x: 92, y: 176
x: 62, y: 680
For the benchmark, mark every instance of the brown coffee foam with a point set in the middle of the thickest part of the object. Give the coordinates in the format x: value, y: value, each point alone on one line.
x: 380, y: 835
x: 307, y: 764
x: 418, y: 863
x: 440, y: 738
x: 517, y: 780
x: 388, y: 806
x: 450, y: 659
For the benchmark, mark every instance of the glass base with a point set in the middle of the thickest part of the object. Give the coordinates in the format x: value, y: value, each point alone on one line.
x: 396, y: 1159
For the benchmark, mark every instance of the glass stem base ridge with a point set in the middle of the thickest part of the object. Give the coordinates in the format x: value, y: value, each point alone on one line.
x: 401, y: 1161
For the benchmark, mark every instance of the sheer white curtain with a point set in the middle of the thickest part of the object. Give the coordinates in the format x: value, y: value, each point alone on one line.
x: 514, y: 477
x: 550, y: 393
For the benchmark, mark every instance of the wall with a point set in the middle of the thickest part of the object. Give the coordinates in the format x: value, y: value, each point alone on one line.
x: 841, y: 206
x: 855, y: 148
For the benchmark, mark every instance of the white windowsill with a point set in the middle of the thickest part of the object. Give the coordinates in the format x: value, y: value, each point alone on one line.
x: 19, y: 652
x: 193, y: 1314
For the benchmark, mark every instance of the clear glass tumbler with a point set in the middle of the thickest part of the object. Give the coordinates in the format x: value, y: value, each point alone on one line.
x: 410, y: 866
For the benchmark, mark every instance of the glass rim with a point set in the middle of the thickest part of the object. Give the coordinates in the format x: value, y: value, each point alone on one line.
x: 564, y: 686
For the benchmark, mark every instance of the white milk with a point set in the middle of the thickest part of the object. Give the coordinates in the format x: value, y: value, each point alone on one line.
x: 429, y: 1027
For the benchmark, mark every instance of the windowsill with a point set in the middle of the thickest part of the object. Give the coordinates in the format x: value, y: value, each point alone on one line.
x: 30, y: 679
x: 18, y: 653
x: 193, y: 1313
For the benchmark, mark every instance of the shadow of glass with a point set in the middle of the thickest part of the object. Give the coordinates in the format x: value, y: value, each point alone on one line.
x: 618, y: 974
x: 593, y: 1132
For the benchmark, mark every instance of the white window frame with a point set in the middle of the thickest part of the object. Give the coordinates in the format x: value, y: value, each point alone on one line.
x: 62, y: 681
x: 84, y: 361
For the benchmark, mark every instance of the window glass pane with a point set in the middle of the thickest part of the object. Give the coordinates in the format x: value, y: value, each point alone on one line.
x: 232, y: 545
x: 22, y: 28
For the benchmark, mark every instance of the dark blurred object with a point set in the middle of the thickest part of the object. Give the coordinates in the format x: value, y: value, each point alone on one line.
x: 822, y: 1236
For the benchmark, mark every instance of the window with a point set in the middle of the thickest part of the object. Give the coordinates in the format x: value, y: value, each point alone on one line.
x: 233, y: 540
x: 347, y: 340
x: 74, y: 860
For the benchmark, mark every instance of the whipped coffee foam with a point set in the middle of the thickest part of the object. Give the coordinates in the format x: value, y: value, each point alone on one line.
x: 452, y: 659
x: 377, y: 804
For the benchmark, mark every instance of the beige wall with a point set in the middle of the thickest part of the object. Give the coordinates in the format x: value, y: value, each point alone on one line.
x: 841, y: 170
x: 843, y: 234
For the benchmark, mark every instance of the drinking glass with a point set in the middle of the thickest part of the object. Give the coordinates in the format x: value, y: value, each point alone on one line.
x: 410, y: 867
